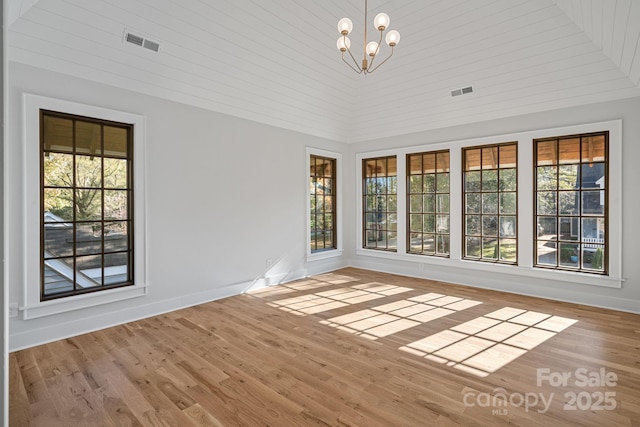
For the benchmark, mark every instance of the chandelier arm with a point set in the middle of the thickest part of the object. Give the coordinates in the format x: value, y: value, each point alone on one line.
x: 357, y: 70
x: 385, y: 60
x: 373, y: 58
x: 353, y: 59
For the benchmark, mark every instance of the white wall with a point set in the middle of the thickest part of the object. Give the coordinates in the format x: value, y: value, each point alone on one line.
x: 223, y: 196
x: 626, y: 298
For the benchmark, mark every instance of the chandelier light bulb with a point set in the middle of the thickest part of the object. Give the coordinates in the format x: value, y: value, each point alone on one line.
x: 372, y: 48
x: 392, y: 38
x: 381, y: 21
x: 344, y: 43
x: 345, y: 26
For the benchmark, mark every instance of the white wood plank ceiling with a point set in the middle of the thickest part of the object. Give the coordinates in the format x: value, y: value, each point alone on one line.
x: 275, y: 61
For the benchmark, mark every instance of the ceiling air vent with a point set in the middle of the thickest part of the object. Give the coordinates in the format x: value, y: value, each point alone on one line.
x: 141, y: 41
x: 462, y: 91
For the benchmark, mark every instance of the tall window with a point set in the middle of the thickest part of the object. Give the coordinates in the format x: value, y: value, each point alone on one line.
x: 86, y: 204
x: 571, y: 202
x: 322, y: 187
x: 490, y: 203
x: 380, y: 204
x: 428, y: 203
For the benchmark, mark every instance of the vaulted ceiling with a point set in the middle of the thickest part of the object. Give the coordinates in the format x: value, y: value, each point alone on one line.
x: 276, y: 61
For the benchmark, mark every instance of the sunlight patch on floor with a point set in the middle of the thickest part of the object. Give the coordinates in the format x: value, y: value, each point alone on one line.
x: 397, y: 316
x: 331, y: 299
x: 487, y: 343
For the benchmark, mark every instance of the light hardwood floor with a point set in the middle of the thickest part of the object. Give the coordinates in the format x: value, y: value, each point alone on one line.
x: 348, y: 348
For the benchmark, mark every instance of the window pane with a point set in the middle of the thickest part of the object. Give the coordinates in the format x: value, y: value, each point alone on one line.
x: 473, y: 203
x: 472, y: 159
x: 429, y: 163
x: 88, y: 204
x: 569, y: 150
x: 593, y: 176
x: 568, y: 177
x: 442, y: 224
x: 508, y: 180
x: 569, y: 228
x: 415, y: 223
x: 429, y: 203
x: 57, y: 134
x: 415, y: 165
x: 429, y: 244
x: 443, y: 161
x: 489, y: 248
x: 508, y: 203
x: 415, y: 203
x: 472, y: 247
x: 88, y: 238
x: 429, y: 183
x: 58, y: 170
x: 88, y: 172
x: 547, y: 178
x: 489, y: 157
x: 473, y: 225
x: 442, y: 244
x: 88, y: 138
x: 58, y: 276
x: 442, y: 183
x: 569, y: 202
x: 547, y: 253
x: 508, y: 226
x: 472, y: 181
x: 547, y: 203
x: 593, y: 202
x: 415, y: 184
x: 593, y: 149
x: 442, y: 203
x: 508, y: 158
x: 547, y: 228
x: 116, y: 236
x: 115, y: 173
x: 429, y: 223
x: 569, y: 256
x: 593, y: 228
x: 490, y: 226
x: 58, y: 205
x: 490, y: 203
x: 508, y: 250
x: 489, y: 180
x: 89, y: 271
x: 115, y: 142
x: 547, y: 153
x: 58, y: 239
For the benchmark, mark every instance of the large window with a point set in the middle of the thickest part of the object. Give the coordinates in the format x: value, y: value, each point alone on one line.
x: 571, y: 202
x: 428, y: 203
x: 490, y: 203
x: 322, y: 200
x: 380, y: 204
x: 86, y: 215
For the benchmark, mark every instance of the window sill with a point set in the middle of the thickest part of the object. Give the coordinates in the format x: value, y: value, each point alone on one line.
x: 506, y: 269
x: 317, y: 256
x: 63, y: 305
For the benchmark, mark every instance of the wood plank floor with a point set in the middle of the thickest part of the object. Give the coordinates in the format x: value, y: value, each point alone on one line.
x: 348, y: 348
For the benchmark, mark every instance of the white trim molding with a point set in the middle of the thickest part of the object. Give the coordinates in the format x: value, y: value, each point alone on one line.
x: 31, y: 306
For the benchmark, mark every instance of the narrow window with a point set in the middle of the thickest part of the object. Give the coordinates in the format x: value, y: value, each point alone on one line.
x: 428, y: 203
x: 86, y: 205
x: 322, y: 199
x: 380, y: 205
x: 490, y: 203
x: 571, y: 202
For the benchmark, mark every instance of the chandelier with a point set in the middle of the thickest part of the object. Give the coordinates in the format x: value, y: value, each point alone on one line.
x: 371, y: 49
